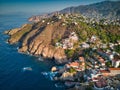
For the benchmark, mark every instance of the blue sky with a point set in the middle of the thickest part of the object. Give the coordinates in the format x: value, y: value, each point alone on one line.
x: 39, y: 6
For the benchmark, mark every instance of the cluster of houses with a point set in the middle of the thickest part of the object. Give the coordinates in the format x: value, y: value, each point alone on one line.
x: 96, y: 68
x: 78, y: 65
x: 93, y: 69
x: 86, y: 44
x: 68, y: 43
x: 102, y: 21
x: 75, y: 18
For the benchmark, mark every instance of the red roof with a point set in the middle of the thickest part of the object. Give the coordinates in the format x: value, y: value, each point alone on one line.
x: 76, y: 64
x: 104, y: 71
x: 114, y: 68
x: 101, y: 59
x: 81, y: 58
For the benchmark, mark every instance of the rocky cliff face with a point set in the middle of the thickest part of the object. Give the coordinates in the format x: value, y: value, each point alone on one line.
x: 37, y: 39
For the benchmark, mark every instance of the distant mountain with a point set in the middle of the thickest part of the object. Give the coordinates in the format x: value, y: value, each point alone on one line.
x: 51, y: 35
x: 105, y: 9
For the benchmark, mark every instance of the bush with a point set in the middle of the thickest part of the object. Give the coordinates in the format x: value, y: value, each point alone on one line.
x: 117, y: 48
x: 72, y: 70
x: 69, y: 53
x: 109, y: 64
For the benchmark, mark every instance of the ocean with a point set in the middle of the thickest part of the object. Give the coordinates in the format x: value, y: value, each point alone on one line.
x: 12, y: 63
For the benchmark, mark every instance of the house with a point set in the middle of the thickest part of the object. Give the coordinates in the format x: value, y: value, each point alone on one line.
x: 73, y: 36
x: 43, y: 21
x: 64, y: 46
x: 81, y: 59
x: 94, y: 73
x: 103, y: 46
x: 96, y: 66
x: 75, y: 23
x: 105, y: 72
x: 82, y: 63
x: 67, y: 66
x: 111, y: 45
x: 111, y: 56
x: 60, y: 17
x: 114, y: 71
x: 79, y: 69
x: 85, y: 45
x: 74, y: 64
x: 68, y: 43
x: 58, y: 44
x: 63, y: 24
x: 116, y: 63
x: 93, y: 38
x: 101, y: 60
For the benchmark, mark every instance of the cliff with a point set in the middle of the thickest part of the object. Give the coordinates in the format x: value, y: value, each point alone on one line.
x: 37, y: 39
x: 59, y: 37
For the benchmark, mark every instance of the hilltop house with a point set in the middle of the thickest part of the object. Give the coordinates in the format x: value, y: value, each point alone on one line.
x: 115, y: 63
x: 68, y: 43
x: 114, y: 71
x: 85, y: 45
x: 101, y: 60
x: 93, y: 38
x: 110, y: 72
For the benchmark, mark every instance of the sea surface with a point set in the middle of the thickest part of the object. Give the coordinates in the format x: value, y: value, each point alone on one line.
x: 12, y: 75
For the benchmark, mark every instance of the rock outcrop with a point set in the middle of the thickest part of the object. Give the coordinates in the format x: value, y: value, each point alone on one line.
x: 17, y: 33
x: 37, y: 39
x: 52, y: 37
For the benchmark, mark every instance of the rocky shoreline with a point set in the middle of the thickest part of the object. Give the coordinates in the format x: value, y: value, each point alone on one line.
x: 36, y: 39
x: 88, y: 54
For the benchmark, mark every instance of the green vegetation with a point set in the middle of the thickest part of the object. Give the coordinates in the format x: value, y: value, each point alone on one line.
x: 69, y: 53
x: 76, y: 54
x: 108, y: 33
x: 54, y: 41
x: 117, y: 48
x: 108, y: 64
x: 17, y: 36
x: 72, y: 70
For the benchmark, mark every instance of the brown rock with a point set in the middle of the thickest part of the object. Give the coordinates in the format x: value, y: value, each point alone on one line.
x: 37, y: 40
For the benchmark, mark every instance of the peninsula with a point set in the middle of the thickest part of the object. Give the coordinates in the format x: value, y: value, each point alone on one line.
x: 88, y: 46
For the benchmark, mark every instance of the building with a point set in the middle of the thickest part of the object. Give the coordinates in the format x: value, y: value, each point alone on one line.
x: 85, y: 45
x: 101, y: 84
x: 74, y: 64
x: 114, y: 71
x: 105, y: 72
x: 116, y: 63
x: 101, y: 60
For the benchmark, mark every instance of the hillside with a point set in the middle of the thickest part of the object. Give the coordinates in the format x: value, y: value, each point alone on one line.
x: 106, y: 9
x: 60, y: 36
x: 109, y: 10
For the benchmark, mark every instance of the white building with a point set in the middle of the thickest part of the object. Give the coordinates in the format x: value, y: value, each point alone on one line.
x: 115, y: 63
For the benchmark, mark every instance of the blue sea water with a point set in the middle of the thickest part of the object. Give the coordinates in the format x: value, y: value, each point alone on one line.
x: 12, y: 76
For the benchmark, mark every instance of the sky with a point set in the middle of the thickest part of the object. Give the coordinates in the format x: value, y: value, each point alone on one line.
x: 40, y: 6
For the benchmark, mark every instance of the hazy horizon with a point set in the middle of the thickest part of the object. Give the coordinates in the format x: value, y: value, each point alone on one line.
x: 40, y: 6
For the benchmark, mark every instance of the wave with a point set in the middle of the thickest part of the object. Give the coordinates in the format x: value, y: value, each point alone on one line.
x: 49, y: 75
